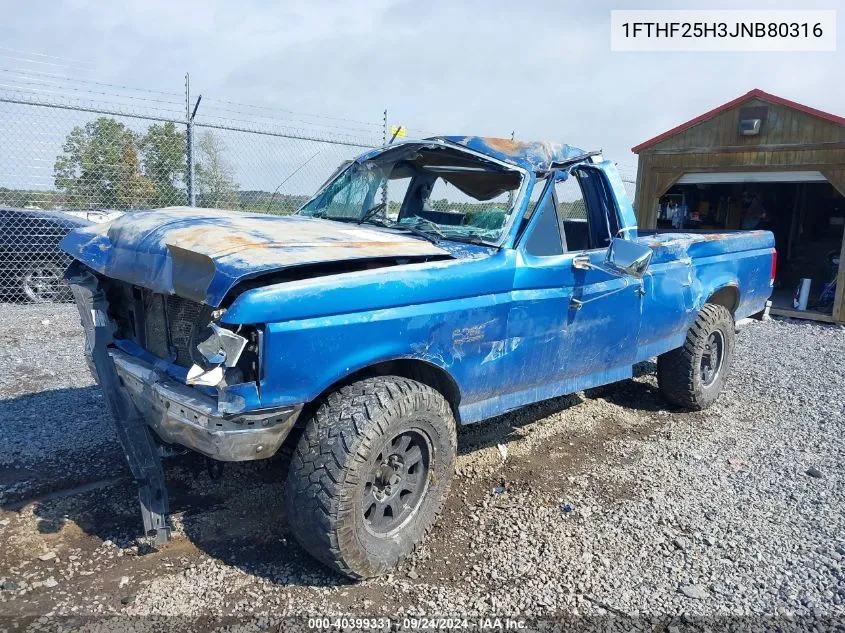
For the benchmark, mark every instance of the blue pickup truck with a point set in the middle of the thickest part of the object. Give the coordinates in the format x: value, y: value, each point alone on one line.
x: 363, y: 329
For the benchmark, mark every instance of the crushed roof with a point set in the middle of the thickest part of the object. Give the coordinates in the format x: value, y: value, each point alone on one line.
x: 530, y: 155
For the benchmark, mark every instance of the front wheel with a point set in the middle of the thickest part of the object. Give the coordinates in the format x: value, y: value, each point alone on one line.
x: 370, y: 473
x: 693, y: 375
x: 43, y: 281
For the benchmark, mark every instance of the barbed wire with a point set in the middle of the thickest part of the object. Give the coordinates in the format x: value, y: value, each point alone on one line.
x: 285, y: 132
x: 44, y: 89
x: 44, y: 63
x: 60, y: 100
x: 92, y: 81
x: 50, y: 84
x: 204, y: 113
x: 66, y: 59
x: 278, y: 109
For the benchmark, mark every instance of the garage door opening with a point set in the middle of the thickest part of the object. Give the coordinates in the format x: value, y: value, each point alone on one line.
x: 806, y: 215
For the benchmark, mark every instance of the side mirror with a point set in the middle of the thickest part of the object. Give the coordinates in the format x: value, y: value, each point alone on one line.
x: 631, y: 258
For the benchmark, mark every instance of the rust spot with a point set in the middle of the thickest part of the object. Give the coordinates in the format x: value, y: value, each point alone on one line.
x: 506, y: 145
x: 266, y: 252
x: 227, y: 240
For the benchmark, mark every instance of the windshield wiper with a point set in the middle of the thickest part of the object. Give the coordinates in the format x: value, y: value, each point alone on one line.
x: 469, y: 239
x: 408, y: 228
x: 432, y: 226
x: 418, y: 231
x: 432, y: 233
x: 369, y: 213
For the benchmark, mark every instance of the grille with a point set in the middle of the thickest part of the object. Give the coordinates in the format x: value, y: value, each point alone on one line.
x: 155, y: 326
x: 173, y: 326
x: 185, y: 325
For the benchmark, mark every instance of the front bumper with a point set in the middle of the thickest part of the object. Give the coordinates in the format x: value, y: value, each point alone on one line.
x: 183, y: 415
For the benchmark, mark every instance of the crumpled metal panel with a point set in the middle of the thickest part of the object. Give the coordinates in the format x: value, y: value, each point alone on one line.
x: 530, y: 155
x: 201, y: 254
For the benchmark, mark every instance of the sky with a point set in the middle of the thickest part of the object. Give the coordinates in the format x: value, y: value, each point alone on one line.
x: 543, y: 70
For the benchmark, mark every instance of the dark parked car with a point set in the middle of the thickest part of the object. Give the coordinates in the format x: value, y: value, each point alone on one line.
x: 31, y: 264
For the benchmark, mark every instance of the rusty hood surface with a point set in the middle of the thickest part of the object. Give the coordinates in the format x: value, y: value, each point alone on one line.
x: 201, y: 254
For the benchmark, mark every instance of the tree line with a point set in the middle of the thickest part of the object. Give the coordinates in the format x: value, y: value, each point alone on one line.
x: 104, y: 164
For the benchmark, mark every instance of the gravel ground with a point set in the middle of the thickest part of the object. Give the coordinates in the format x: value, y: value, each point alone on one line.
x: 608, y: 504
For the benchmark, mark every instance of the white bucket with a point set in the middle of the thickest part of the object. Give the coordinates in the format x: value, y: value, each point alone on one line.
x: 802, y: 294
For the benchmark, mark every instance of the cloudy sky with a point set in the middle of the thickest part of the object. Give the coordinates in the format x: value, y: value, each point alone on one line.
x: 543, y: 69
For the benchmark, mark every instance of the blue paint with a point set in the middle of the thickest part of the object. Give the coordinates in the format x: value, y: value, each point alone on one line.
x: 229, y: 248
x: 496, y: 320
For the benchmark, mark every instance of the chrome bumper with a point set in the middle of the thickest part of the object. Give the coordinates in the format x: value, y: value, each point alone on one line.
x: 183, y: 415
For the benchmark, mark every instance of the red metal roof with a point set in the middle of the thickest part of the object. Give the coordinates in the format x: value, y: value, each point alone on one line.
x: 756, y: 93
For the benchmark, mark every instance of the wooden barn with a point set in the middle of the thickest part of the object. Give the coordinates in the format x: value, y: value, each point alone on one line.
x: 759, y: 161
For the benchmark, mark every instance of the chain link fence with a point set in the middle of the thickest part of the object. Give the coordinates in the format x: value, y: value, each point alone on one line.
x: 69, y: 159
x: 75, y: 152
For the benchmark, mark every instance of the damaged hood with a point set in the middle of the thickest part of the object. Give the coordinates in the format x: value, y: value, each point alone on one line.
x: 201, y: 254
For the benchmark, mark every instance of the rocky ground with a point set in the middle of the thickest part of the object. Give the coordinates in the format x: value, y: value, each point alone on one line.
x: 610, y: 505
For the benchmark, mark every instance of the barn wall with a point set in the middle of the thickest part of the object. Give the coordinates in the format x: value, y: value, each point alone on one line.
x: 789, y: 140
x: 783, y: 125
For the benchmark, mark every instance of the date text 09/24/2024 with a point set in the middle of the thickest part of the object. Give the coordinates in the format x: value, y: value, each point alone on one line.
x: 417, y: 624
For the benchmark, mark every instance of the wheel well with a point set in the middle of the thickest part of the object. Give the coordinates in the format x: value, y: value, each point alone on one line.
x: 727, y: 297
x: 415, y: 369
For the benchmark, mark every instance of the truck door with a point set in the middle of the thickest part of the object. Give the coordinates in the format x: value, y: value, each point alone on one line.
x: 577, y: 327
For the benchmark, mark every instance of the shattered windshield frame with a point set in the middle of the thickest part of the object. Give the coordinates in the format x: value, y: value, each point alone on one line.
x: 484, y: 193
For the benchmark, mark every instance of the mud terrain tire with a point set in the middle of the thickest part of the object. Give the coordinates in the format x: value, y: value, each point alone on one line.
x: 370, y: 474
x: 693, y: 375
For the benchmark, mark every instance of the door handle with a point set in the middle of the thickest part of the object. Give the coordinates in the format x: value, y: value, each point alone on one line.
x: 582, y: 262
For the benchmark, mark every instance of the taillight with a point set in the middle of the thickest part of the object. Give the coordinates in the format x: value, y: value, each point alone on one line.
x: 774, y: 265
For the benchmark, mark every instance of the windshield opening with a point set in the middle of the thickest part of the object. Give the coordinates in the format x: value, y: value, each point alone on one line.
x: 438, y: 190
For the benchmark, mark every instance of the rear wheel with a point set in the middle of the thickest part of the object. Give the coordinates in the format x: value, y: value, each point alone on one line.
x: 370, y: 473
x: 692, y: 376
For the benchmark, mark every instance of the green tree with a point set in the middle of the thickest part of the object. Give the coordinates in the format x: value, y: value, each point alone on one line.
x: 99, y: 167
x: 215, y: 181
x: 163, y: 153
